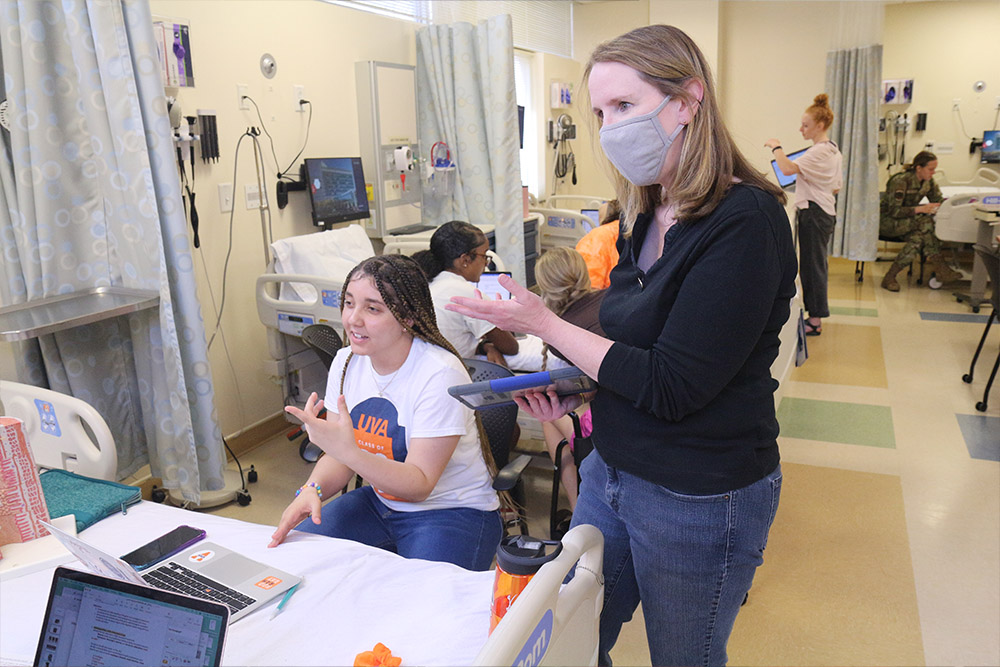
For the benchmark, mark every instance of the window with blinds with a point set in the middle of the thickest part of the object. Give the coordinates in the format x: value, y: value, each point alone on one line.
x: 538, y: 26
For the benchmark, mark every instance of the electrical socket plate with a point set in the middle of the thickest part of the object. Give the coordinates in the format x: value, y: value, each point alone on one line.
x: 225, y: 197
x: 243, y: 89
x: 955, y: 103
x: 252, y: 196
x: 298, y: 94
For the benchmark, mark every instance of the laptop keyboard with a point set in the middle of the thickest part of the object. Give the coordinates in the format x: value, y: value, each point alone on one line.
x: 179, y: 579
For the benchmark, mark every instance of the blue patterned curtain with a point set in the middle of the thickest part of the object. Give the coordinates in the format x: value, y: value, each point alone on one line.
x: 91, y: 198
x: 465, y: 97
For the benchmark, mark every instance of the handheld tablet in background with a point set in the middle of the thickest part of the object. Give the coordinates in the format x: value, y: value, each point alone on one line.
x: 489, y: 285
x: 501, y: 391
x: 594, y: 215
x: 787, y: 181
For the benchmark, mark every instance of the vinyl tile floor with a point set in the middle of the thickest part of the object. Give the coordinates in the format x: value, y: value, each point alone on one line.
x: 886, y: 546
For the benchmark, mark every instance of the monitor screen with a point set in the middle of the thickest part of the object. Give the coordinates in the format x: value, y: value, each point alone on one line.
x: 991, y: 146
x: 337, y: 190
x: 786, y: 181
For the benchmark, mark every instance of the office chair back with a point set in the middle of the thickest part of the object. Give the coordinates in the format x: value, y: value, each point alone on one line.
x: 500, y: 424
x: 324, y: 341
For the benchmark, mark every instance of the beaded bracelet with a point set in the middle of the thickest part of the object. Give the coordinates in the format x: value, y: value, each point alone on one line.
x: 314, y: 485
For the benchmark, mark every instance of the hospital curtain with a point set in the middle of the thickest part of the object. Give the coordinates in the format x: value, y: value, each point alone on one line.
x: 465, y: 98
x: 91, y: 198
x: 853, y: 77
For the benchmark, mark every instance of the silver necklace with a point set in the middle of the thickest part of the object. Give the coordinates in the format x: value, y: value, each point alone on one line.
x: 381, y: 389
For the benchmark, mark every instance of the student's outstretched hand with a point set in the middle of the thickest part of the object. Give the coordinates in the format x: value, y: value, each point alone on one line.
x: 524, y: 312
x: 307, y: 503
x: 333, y: 433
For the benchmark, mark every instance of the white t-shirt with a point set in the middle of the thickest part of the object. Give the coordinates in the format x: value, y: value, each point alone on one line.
x: 416, y: 404
x: 820, y: 174
x: 461, y: 331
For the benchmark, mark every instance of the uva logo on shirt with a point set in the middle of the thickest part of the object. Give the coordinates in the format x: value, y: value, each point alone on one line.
x: 377, y: 429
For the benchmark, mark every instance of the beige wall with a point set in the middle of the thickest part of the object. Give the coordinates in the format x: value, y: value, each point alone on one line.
x: 945, y: 47
x: 315, y: 45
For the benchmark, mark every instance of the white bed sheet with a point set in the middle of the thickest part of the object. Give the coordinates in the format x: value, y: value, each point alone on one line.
x: 353, y: 597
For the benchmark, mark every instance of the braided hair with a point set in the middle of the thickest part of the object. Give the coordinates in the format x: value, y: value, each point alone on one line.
x: 403, y: 287
x: 562, y: 277
x: 449, y: 242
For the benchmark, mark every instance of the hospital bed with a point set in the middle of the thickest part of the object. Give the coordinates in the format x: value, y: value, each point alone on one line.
x: 301, y: 287
x: 427, y: 613
x: 560, y: 226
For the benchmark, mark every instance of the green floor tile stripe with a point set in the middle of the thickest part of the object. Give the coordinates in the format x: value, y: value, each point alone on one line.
x: 850, y: 310
x: 831, y: 421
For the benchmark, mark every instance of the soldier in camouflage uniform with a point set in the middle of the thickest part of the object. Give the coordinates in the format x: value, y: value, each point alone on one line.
x: 902, y: 216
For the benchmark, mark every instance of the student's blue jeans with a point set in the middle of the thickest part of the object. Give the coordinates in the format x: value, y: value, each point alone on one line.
x: 689, y: 559
x: 461, y: 535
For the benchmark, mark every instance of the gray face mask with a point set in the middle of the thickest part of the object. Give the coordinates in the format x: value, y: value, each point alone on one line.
x: 638, y: 146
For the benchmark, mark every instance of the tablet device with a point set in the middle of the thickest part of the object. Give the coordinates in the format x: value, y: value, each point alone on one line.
x: 594, y: 215
x: 489, y: 285
x: 501, y: 391
x: 787, y: 181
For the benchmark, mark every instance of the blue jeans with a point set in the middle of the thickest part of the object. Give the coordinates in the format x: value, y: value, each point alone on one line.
x: 461, y: 535
x: 689, y: 559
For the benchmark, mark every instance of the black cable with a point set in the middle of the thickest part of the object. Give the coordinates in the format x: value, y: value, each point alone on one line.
x: 269, y: 138
x: 243, y: 482
x: 304, y: 143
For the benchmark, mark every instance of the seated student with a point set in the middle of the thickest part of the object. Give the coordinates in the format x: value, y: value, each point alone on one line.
x: 391, y: 420
x: 599, y: 246
x: 457, y: 259
x: 564, y: 284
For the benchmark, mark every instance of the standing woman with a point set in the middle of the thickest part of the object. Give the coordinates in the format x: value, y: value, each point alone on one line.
x: 456, y: 260
x: 684, y: 480
x: 392, y: 421
x: 820, y: 177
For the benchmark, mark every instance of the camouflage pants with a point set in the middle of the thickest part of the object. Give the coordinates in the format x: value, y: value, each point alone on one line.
x: 916, y: 232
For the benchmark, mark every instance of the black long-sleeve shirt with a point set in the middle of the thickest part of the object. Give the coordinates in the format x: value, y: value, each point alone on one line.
x: 687, y: 398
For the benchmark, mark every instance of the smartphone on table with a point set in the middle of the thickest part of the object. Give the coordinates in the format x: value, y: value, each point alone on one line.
x: 164, y: 546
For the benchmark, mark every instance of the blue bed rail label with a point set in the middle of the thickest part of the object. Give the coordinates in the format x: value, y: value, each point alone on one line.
x: 559, y: 221
x: 991, y: 200
x: 47, y: 415
x: 538, y: 643
x: 331, y: 297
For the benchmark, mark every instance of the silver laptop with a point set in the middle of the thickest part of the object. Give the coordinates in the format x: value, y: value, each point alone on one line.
x: 95, y: 620
x: 205, y: 570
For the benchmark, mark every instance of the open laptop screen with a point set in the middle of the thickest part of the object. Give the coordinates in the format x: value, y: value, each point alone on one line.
x: 94, y: 620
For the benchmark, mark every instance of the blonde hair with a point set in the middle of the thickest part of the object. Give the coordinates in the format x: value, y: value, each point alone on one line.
x: 820, y: 111
x: 665, y: 57
x: 562, y: 277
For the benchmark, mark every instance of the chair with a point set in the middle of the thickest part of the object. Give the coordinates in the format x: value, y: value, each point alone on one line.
x: 859, y: 266
x: 582, y: 445
x: 991, y: 259
x: 63, y: 432
x: 324, y: 341
x: 500, y: 424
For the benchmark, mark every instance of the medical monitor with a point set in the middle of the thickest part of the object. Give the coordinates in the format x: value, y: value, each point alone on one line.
x: 787, y: 181
x: 337, y: 190
x: 990, y: 152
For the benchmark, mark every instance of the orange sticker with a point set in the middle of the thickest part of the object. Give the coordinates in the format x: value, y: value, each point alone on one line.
x: 201, y: 556
x: 268, y: 583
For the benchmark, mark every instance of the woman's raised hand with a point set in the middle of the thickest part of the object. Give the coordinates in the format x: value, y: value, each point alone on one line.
x: 330, y: 432
x: 524, y: 312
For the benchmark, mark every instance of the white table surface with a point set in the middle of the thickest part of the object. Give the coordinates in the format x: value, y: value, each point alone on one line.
x: 353, y: 597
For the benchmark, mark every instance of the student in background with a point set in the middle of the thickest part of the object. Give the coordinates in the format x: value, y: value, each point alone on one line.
x: 820, y: 177
x: 391, y: 420
x: 685, y: 478
x: 564, y: 284
x: 901, y: 215
x: 598, y: 245
x: 456, y: 260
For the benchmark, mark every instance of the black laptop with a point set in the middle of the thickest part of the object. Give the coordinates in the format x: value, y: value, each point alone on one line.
x: 94, y: 620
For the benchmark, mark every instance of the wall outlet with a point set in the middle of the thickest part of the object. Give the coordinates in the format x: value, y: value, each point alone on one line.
x: 955, y: 103
x: 225, y: 197
x: 251, y: 194
x: 298, y: 94
x: 944, y: 148
x: 242, y: 90
x: 996, y: 104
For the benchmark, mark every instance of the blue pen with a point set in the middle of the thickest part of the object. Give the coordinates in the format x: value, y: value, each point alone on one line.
x: 284, y: 600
